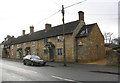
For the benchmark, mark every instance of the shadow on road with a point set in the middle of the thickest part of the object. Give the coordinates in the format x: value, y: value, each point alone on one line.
x: 41, y: 66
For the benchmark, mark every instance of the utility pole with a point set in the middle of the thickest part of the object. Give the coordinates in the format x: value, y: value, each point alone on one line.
x: 64, y: 52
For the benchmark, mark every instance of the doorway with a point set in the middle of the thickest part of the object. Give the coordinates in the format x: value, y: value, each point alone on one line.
x: 51, y: 52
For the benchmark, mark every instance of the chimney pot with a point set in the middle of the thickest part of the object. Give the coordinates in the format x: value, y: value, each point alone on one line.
x: 31, y: 29
x: 81, y: 15
x: 23, y: 32
x: 48, y: 26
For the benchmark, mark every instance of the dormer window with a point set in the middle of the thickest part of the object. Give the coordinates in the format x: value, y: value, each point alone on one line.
x: 83, y: 32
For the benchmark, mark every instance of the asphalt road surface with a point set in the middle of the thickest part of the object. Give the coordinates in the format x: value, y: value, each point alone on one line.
x: 16, y: 71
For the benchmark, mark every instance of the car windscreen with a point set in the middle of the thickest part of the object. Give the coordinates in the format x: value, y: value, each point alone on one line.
x: 35, y: 57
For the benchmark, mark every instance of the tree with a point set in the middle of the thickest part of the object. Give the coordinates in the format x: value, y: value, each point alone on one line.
x: 108, y: 38
x: 117, y: 40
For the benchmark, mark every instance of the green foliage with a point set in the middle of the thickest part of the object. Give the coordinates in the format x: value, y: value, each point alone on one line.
x: 115, y: 65
x: 116, y: 48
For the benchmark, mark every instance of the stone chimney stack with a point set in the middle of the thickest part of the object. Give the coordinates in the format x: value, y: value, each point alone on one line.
x: 47, y: 26
x: 81, y: 15
x: 23, y: 32
x: 31, y: 29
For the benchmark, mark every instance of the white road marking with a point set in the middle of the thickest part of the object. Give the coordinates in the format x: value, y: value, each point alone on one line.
x: 60, y: 78
x: 69, y: 80
x: 18, y: 69
x: 57, y: 77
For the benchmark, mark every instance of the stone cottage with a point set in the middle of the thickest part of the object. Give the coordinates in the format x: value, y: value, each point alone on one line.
x: 83, y: 42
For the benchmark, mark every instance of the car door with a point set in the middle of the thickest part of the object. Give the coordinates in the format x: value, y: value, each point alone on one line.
x: 28, y: 60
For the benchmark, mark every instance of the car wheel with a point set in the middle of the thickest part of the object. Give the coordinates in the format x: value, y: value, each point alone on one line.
x: 24, y: 62
x: 43, y: 64
x: 32, y: 63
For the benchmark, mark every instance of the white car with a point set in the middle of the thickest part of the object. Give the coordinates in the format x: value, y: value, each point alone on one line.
x: 33, y: 60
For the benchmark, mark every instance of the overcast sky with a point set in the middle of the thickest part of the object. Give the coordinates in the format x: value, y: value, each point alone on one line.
x: 18, y: 15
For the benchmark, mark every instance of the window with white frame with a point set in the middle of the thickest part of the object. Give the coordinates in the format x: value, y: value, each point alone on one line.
x: 12, y: 52
x: 24, y: 53
x: 59, y: 38
x: 17, y: 46
x: 12, y: 47
x: 24, y: 44
x: 59, y: 51
x: 33, y: 43
x: 33, y: 52
x: 83, y: 32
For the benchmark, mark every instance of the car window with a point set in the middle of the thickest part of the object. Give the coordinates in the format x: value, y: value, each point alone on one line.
x: 28, y: 56
x: 35, y: 57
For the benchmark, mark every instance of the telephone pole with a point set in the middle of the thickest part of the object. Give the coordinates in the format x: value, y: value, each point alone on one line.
x: 63, y: 13
x: 64, y: 52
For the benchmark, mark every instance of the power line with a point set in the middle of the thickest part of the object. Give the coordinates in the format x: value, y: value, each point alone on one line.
x: 49, y: 16
x: 74, y: 4
x: 61, y: 10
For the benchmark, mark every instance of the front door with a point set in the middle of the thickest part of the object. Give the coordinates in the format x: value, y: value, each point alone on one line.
x: 79, y: 52
x: 20, y: 54
x: 51, y: 51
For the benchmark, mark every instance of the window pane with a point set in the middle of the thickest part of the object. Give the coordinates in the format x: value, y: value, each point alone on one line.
x: 59, y: 51
x: 59, y: 38
x: 33, y: 43
x: 45, y: 52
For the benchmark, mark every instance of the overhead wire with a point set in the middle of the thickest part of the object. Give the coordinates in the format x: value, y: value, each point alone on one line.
x: 60, y: 10
x: 49, y: 16
x: 74, y: 4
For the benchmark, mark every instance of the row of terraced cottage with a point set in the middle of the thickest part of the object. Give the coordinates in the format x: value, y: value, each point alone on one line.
x: 83, y: 42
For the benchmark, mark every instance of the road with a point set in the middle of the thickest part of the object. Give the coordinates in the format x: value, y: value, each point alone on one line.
x: 16, y: 71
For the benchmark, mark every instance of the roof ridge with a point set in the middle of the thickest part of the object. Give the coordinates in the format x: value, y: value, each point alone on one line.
x: 90, y: 24
x: 52, y: 32
x: 65, y: 23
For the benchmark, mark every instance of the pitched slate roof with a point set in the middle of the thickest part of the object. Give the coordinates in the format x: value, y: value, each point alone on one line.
x: 8, y: 42
x: 85, y: 30
x: 52, y: 32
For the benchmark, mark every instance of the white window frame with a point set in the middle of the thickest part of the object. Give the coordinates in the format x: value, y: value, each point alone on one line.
x: 59, y: 38
x: 33, y: 43
x: 12, y: 47
x: 59, y: 51
x: 12, y: 52
x: 83, y: 32
x: 18, y: 46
